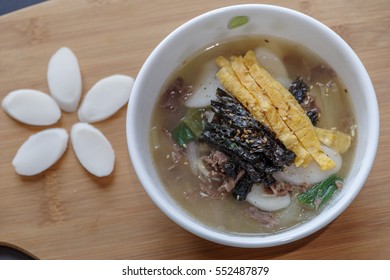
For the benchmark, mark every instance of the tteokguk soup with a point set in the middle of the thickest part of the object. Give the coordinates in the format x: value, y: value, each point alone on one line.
x: 253, y: 135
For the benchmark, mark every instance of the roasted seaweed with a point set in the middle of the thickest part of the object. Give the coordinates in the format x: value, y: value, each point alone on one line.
x: 313, y: 116
x: 231, y: 167
x: 249, y: 143
x: 242, y: 188
x: 299, y: 89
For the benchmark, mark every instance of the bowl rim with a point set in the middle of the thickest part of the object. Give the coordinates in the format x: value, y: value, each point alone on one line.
x: 242, y: 240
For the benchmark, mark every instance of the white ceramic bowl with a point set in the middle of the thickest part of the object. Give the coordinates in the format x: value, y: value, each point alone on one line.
x: 212, y: 27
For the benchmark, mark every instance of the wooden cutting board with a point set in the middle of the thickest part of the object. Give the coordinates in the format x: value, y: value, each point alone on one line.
x: 65, y: 213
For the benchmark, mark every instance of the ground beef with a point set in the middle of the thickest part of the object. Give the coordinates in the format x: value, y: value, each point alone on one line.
x: 281, y: 188
x: 215, y: 164
x: 265, y: 218
x: 175, y: 95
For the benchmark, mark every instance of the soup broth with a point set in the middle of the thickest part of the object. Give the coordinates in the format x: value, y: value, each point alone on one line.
x: 179, y: 170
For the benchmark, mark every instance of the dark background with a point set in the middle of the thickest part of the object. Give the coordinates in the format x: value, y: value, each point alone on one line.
x: 8, y: 6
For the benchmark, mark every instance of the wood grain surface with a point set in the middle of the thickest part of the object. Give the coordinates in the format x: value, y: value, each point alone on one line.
x: 65, y: 213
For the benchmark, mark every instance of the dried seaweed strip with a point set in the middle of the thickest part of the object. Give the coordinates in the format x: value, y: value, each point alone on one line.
x: 229, y: 108
x: 299, y: 89
x: 313, y: 116
x: 250, y: 133
x: 242, y: 188
x: 222, y: 138
x: 231, y: 167
x: 253, y: 145
x: 257, y: 176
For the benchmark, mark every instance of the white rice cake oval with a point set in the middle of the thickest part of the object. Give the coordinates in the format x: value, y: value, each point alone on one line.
x: 267, y: 202
x: 105, y: 98
x: 40, y: 151
x: 312, y: 173
x: 204, y: 90
x: 92, y: 149
x: 31, y: 107
x: 64, y: 79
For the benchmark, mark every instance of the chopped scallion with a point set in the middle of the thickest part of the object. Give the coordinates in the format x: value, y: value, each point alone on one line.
x: 182, y: 134
x: 194, y: 122
x: 319, y: 194
x: 189, y: 128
